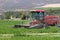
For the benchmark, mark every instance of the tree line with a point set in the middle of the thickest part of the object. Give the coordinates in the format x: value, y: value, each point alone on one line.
x: 26, y: 14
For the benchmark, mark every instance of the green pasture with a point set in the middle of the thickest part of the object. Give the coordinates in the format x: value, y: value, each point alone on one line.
x: 31, y: 38
x: 7, y: 27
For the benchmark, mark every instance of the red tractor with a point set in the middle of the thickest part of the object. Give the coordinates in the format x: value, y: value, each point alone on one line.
x: 40, y: 20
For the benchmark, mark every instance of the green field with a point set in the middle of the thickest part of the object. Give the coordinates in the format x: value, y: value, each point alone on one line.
x: 32, y: 38
x: 6, y: 27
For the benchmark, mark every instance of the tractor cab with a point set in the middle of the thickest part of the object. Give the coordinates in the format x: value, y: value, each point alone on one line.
x: 38, y: 14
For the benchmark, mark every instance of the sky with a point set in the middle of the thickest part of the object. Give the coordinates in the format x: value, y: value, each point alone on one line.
x: 18, y: 4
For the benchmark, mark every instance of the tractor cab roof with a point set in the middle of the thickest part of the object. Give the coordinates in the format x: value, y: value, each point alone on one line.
x: 38, y: 10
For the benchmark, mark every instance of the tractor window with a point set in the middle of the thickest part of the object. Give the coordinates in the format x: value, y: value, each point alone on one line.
x: 41, y: 15
x: 33, y: 15
x: 37, y: 15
